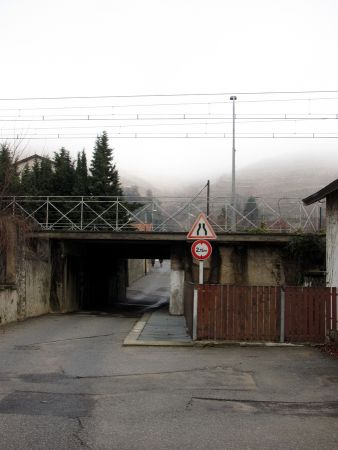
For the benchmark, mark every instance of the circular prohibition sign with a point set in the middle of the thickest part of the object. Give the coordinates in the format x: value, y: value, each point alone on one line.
x: 201, y: 249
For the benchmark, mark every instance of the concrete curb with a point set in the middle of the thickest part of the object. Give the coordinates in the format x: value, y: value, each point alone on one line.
x: 243, y: 344
x: 137, y: 329
x: 140, y: 343
x: 132, y: 337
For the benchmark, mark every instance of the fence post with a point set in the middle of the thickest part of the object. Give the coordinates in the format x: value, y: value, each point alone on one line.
x: 282, y: 316
x: 13, y: 206
x: 194, y: 317
x: 81, y: 214
x: 117, y: 214
x: 47, y: 213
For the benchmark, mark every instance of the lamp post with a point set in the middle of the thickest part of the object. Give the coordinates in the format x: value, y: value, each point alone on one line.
x: 233, y: 173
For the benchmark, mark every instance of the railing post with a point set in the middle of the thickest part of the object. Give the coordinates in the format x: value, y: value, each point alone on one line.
x: 47, y: 213
x: 117, y: 214
x: 282, y: 315
x: 81, y: 218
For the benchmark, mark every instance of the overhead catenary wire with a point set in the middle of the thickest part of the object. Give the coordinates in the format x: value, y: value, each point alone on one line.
x: 278, y: 135
x: 36, y: 125
x: 176, y: 116
x: 184, y: 94
x: 147, y: 105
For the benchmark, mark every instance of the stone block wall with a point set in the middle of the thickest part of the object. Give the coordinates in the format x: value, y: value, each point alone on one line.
x: 137, y: 268
x: 8, y: 304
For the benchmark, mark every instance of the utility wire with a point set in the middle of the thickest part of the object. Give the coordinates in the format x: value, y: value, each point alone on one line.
x: 59, y: 136
x: 146, y: 105
x: 196, y: 94
x: 143, y: 117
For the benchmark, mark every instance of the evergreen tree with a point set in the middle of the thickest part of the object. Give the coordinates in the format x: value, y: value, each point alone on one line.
x: 81, y: 176
x: 64, y: 173
x: 105, y: 181
x: 105, y: 178
x: 251, y: 210
x: 45, y: 178
x: 35, y: 178
x: 131, y: 193
x: 26, y: 182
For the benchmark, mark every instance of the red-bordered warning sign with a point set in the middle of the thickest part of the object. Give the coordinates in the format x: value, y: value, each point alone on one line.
x: 201, y: 229
x: 201, y: 249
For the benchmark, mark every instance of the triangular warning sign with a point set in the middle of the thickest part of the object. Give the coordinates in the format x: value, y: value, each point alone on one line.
x: 201, y: 229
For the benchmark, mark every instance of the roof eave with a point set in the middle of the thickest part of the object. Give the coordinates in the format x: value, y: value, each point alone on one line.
x: 322, y: 193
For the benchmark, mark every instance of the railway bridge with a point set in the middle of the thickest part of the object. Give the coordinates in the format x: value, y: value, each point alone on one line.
x: 77, y: 249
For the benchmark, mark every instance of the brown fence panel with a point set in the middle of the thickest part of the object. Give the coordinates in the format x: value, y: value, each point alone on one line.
x: 309, y: 313
x: 334, y: 325
x: 252, y: 313
x: 240, y: 313
x: 189, y: 305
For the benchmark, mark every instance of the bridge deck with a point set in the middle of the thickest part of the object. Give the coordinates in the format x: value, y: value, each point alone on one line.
x: 272, y: 238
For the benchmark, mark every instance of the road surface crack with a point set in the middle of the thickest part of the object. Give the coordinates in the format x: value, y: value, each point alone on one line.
x: 168, y: 372
x: 80, y: 429
x: 316, y: 408
x: 68, y: 339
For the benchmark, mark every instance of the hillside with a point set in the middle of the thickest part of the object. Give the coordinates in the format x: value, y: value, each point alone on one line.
x: 274, y: 178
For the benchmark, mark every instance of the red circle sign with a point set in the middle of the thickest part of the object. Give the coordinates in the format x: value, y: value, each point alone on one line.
x: 201, y: 249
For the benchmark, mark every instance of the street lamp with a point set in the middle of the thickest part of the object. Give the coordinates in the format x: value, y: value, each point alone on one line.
x: 233, y: 173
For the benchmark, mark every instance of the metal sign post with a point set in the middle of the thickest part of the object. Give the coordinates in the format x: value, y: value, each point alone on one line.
x: 194, y: 318
x: 200, y: 250
x: 200, y: 276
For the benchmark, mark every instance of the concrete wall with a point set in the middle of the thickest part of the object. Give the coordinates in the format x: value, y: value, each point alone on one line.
x: 26, y: 289
x: 251, y: 265
x: 137, y: 268
x: 8, y: 305
x: 67, y: 262
x: 332, y: 240
x: 177, y: 279
x: 37, y: 272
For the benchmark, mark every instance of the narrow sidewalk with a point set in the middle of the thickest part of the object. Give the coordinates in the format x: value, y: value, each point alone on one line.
x: 159, y: 328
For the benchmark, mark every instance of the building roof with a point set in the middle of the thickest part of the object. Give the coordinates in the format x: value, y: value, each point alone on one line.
x: 329, y: 189
x: 29, y: 158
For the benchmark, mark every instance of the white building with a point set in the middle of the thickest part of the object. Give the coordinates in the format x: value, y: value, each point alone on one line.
x: 330, y: 192
x: 29, y: 162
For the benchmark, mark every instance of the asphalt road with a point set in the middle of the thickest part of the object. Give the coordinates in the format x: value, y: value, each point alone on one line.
x: 66, y: 382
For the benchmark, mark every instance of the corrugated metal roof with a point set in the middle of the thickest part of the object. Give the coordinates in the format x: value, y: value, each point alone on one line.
x: 329, y: 189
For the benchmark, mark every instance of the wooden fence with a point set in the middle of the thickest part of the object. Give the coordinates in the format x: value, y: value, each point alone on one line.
x: 257, y: 313
x: 246, y: 313
x: 309, y: 313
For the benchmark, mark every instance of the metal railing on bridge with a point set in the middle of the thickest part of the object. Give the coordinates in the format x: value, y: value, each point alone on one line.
x: 164, y: 214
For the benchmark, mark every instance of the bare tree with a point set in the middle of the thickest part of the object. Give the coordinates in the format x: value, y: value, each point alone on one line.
x: 10, y: 153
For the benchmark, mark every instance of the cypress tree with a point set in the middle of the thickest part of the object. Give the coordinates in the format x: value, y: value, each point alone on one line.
x: 105, y: 181
x: 64, y: 173
x: 27, y: 186
x: 81, y: 175
x: 45, y: 181
x: 104, y: 178
x: 251, y: 210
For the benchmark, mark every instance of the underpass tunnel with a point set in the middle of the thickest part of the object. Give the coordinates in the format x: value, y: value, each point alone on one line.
x: 110, y: 276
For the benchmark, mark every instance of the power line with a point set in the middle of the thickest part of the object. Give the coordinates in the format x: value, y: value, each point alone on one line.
x: 138, y: 105
x: 307, y: 99
x: 180, y: 116
x: 146, y: 105
x: 278, y: 135
x: 196, y: 94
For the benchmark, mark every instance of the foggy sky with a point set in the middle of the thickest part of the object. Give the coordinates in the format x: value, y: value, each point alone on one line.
x: 104, y: 47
